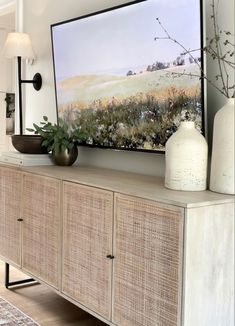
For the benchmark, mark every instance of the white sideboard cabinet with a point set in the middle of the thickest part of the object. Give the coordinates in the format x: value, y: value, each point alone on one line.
x: 10, y: 226
x: 121, y: 246
x: 41, y: 238
x: 87, y: 241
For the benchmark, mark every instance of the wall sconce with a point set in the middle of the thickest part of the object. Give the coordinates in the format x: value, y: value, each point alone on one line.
x: 19, y: 45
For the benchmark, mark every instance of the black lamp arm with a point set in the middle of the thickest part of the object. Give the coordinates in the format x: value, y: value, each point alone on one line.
x: 36, y: 81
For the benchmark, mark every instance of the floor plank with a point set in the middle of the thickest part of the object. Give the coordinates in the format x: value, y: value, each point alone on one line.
x: 43, y: 305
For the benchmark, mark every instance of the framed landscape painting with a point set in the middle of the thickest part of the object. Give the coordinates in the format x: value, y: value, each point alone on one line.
x: 122, y: 79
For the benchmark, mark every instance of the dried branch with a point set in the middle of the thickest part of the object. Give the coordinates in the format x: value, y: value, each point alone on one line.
x: 215, y: 49
x: 218, y: 49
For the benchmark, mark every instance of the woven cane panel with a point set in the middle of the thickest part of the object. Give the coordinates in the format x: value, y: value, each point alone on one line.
x: 41, y: 227
x: 10, y: 199
x: 87, y: 234
x: 147, y: 264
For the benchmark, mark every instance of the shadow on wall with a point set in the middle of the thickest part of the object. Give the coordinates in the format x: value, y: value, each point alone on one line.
x: 149, y: 164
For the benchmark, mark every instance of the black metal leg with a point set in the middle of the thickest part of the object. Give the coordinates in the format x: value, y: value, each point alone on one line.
x: 8, y: 283
x: 7, y: 271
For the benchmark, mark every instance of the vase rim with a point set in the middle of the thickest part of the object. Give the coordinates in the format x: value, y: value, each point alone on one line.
x: 187, y: 124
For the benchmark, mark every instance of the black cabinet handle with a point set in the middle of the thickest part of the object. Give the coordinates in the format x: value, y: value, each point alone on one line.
x: 110, y: 256
x: 19, y: 219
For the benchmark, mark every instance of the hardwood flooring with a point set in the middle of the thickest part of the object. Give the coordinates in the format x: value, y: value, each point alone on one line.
x: 43, y: 305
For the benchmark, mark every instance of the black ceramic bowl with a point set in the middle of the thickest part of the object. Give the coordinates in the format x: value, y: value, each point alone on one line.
x: 28, y: 144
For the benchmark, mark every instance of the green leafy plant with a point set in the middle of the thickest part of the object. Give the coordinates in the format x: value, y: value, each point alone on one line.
x: 59, y: 136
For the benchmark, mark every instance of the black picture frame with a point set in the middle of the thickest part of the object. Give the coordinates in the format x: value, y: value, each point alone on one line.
x: 135, y: 116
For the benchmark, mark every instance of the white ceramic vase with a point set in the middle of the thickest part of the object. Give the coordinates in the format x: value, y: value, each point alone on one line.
x: 222, y: 160
x: 186, y: 159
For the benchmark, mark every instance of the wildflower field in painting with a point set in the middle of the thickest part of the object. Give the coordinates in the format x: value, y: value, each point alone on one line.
x: 143, y: 116
x: 120, y: 86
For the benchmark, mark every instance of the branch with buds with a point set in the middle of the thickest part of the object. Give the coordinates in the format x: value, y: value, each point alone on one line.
x: 219, y: 48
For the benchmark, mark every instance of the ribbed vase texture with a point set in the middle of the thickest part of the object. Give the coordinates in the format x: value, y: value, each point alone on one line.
x: 222, y: 160
x: 186, y: 159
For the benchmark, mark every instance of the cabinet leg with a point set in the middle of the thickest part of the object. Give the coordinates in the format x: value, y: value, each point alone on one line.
x: 7, y: 277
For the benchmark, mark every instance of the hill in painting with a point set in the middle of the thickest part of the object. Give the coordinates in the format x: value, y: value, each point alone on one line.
x: 84, y: 91
x: 139, y: 111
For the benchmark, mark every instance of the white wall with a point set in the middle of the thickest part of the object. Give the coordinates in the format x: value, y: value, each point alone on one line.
x: 38, y: 15
x: 6, y: 6
x: 7, y: 75
x: 226, y: 22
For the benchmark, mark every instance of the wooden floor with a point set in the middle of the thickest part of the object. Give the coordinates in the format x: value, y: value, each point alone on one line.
x: 44, y: 305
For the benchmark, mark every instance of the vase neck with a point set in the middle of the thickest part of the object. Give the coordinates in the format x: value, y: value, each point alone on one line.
x: 187, y: 125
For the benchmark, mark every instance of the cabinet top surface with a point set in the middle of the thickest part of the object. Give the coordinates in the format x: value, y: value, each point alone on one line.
x: 147, y: 187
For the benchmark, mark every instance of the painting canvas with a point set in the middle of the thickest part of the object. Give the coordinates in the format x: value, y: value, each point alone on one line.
x: 122, y: 81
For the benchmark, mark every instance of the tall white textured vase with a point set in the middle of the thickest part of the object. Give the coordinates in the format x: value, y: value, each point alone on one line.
x: 186, y: 159
x: 222, y: 160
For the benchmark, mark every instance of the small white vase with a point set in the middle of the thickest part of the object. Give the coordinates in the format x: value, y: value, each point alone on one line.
x: 186, y: 159
x: 222, y: 160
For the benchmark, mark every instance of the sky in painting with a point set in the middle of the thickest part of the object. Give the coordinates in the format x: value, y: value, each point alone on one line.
x: 120, y: 40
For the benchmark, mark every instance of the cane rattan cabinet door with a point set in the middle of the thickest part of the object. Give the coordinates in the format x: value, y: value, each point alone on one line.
x: 87, y: 241
x: 41, y: 227
x: 10, y: 201
x: 148, y: 239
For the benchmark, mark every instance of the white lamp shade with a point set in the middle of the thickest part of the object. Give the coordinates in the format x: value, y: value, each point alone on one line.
x: 18, y: 45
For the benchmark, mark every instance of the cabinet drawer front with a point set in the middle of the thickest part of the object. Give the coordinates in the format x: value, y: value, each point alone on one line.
x: 10, y: 204
x: 87, y: 234
x: 148, y: 263
x: 41, y: 227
